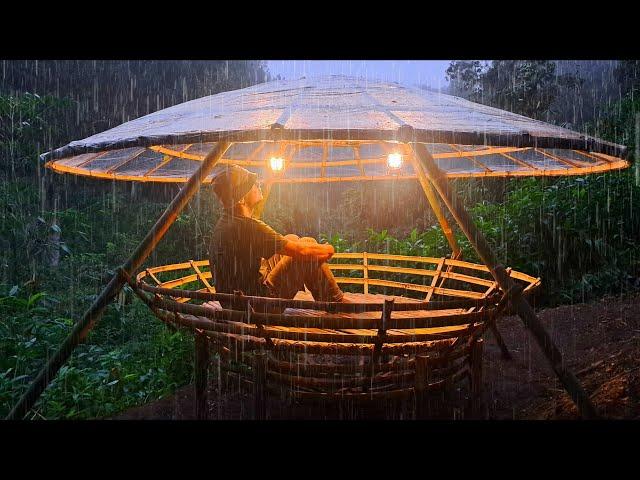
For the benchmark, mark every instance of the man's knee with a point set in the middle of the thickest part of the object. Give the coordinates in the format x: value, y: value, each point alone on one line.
x: 292, y: 236
x: 308, y: 239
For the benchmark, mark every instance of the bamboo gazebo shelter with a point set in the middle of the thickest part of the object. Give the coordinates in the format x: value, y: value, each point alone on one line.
x: 336, y: 129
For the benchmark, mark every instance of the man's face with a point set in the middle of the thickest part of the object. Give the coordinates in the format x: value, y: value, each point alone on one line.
x: 254, y: 196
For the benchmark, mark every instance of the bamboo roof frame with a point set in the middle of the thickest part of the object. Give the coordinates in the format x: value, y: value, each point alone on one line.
x: 592, y: 162
x: 334, y: 112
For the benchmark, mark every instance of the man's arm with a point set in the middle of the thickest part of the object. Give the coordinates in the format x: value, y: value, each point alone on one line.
x: 308, y: 250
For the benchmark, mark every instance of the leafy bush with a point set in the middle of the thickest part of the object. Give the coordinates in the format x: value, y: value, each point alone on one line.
x: 129, y: 359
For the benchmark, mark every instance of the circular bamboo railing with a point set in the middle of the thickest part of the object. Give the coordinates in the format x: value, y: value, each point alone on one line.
x: 381, y: 346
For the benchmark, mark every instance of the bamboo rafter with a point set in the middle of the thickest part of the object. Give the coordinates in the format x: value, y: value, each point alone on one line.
x: 257, y: 158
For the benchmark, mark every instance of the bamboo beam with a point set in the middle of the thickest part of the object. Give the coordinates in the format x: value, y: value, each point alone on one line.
x: 93, y: 314
x: 473, y: 159
x: 201, y: 277
x: 427, y: 165
x: 332, y: 307
x: 615, y: 164
x: 167, y: 158
x: 434, y: 281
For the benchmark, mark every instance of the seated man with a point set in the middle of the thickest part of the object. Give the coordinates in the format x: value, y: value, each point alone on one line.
x: 248, y: 255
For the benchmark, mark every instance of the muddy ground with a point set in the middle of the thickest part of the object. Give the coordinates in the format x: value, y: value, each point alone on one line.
x: 600, y: 343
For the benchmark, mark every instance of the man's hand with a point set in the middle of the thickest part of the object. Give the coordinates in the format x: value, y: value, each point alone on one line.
x: 329, y: 251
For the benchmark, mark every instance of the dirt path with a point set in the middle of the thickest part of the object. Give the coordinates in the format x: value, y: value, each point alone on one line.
x: 600, y: 342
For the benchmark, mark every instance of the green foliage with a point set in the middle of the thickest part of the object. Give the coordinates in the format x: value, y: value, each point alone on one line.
x: 580, y: 234
x: 340, y: 244
x: 527, y: 87
x: 27, y: 127
x: 621, y: 122
x: 128, y: 360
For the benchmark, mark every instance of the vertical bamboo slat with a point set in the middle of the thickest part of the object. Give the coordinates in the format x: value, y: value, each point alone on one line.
x: 476, y: 377
x: 260, y: 386
x: 201, y: 374
x: 365, y: 263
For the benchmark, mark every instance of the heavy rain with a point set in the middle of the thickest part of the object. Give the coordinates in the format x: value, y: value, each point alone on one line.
x: 467, y: 239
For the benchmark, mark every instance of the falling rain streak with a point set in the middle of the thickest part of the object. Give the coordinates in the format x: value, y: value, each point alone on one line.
x: 63, y: 237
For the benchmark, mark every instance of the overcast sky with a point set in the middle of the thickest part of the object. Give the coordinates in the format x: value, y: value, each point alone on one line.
x: 409, y: 72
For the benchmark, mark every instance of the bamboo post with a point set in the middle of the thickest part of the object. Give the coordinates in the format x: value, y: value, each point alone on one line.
x: 93, y: 314
x: 476, y: 376
x: 365, y: 272
x: 387, y: 308
x: 437, y: 210
x: 498, y: 336
x: 426, y: 164
x: 504, y: 351
x: 201, y: 371
x: 420, y: 383
x: 260, y: 386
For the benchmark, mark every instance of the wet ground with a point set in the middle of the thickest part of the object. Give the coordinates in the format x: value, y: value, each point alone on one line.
x: 600, y: 343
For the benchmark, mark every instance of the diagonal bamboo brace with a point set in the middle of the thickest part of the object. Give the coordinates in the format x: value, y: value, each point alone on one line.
x: 82, y: 328
x: 426, y: 163
x: 437, y: 210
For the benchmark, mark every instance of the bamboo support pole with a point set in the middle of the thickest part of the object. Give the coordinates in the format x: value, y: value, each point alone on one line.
x: 476, y: 377
x: 420, y: 383
x: 437, y: 210
x: 434, y: 280
x: 201, y: 374
x: 504, y: 350
x: 93, y: 314
x: 426, y: 164
x: 260, y: 386
x: 365, y: 272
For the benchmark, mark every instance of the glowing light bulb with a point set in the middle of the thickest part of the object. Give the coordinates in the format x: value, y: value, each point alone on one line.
x: 394, y: 160
x: 277, y: 164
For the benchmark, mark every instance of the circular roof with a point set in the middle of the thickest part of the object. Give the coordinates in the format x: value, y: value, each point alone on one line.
x: 334, y: 128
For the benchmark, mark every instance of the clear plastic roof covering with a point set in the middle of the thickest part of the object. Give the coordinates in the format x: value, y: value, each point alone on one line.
x: 334, y: 129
